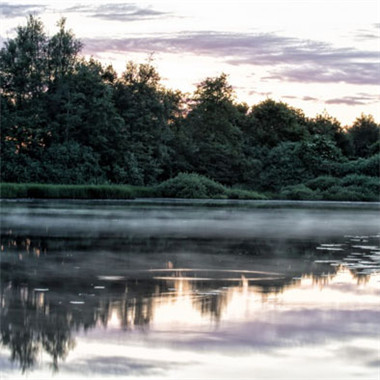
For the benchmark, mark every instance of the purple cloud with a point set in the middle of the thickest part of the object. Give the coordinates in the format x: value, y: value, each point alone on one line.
x: 359, y: 99
x: 309, y: 99
x: 9, y: 10
x: 118, y: 12
x: 297, y: 60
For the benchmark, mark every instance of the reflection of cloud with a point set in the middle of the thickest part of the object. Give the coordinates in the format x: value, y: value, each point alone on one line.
x: 17, y: 10
x: 117, y: 365
x: 119, y: 12
x: 306, y: 61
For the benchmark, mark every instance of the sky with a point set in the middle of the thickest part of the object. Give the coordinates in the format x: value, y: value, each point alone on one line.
x: 316, y: 55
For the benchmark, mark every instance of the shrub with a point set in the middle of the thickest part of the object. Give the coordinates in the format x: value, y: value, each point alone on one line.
x: 244, y: 194
x: 366, y: 183
x: 190, y: 185
x: 298, y: 192
x: 12, y: 190
x: 193, y: 186
x: 351, y: 193
x: 363, y: 166
x: 322, y: 182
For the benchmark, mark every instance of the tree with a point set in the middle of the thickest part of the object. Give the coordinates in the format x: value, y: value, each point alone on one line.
x: 327, y: 126
x: 23, y: 63
x: 270, y: 123
x: 365, y: 135
x: 213, y: 122
x: 147, y: 110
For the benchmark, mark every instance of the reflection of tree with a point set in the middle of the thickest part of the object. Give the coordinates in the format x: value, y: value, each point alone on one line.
x: 27, y: 327
x: 32, y: 321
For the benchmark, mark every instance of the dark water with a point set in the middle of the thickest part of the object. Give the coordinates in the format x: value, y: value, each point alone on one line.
x: 190, y: 290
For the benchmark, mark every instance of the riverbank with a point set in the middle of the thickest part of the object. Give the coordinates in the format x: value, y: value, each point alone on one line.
x: 53, y: 191
x: 194, y: 186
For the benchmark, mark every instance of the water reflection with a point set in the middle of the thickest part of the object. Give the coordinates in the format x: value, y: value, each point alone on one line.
x: 189, y: 294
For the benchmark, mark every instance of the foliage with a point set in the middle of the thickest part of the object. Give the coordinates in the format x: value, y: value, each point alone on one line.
x: 298, y: 192
x: 283, y: 166
x: 68, y: 120
x: 322, y: 182
x: 192, y: 185
x: 365, y: 135
x: 270, y: 123
x: 367, y: 166
x: 351, y: 193
x: 245, y: 194
x: 16, y: 190
x: 329, y: 128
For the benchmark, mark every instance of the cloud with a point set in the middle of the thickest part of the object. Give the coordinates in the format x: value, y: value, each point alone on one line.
x: 16, y: 10
x: 359, y: 99
x: 341, y: 69
x: 309, y: 99
x: 371, y: 33
x: 261, y: 93
x: 290, y: 59
x: 119, y: 12
x: 347, y: 100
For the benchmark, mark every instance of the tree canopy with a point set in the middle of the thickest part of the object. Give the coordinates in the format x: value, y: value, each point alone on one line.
x: 65, y: 119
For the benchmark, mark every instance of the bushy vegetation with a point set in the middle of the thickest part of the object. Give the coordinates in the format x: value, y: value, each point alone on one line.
x: 192, y: 185
x: 298, y: 192
x: 16, y: 190
x: 70, y: 121
x: 352, y: 187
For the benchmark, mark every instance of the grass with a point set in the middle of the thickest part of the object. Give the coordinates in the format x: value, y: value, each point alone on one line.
x: 31, y: 190
x: 187, y: 186
x: 194, y: 186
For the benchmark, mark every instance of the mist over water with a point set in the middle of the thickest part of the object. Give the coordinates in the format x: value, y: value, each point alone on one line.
x: 196, y: 219
x: 189, y: 289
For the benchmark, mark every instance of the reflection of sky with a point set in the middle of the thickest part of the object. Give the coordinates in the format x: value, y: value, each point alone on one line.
x: 319, y: 317
x: 325, y: 327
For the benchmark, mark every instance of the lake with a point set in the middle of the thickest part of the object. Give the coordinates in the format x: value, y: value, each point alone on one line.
x: 175, y: 289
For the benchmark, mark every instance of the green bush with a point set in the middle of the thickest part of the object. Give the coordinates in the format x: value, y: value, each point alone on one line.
x: 366, y: 183
x: 244, y: 194
x: 193, y: 186
x: 190, y: 185
x: 351, y: 193
x: 363, y: 166
x: 322, y: 182
x: 298, y: 192
x: 12, y: 190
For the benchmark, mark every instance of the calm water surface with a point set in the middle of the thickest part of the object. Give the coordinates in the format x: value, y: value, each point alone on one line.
x: 189, y: 290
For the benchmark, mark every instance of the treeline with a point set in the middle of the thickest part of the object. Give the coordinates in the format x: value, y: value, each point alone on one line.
x: 67, y: 120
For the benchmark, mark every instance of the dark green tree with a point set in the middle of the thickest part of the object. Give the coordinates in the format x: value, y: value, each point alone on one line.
x: 270, y: 123
x: 213, y: 122
x: 365, y: 135
x: 327, y: 126
x: 148, y: 111
x: 24, y: 82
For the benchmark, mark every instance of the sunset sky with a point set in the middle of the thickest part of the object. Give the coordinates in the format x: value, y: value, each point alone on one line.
x: 321, y: 55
